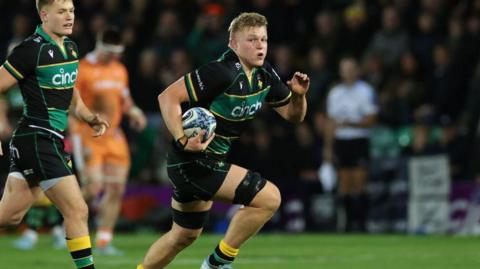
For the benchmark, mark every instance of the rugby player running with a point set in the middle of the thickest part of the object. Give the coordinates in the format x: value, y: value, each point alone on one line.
x: 233, y: 88
x: 45, y: 65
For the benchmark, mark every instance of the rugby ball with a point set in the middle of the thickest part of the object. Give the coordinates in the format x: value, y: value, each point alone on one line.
x: 196, y: 119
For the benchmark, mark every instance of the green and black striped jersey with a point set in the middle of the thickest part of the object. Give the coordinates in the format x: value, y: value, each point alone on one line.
x: 223, y: 87
x: 46, y: 74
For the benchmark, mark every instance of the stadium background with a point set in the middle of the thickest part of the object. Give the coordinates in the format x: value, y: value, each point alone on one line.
x: 423, y: 63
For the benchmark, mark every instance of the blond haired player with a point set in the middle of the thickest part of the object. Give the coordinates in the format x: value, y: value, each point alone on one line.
x: 45, y: 66
x: 103, y: 84
x: 233, y: 88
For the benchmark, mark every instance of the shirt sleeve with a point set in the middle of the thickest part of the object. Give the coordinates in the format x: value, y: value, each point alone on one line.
x: 208, y: 81
x: 371, y: 105
x: 279, y: 94
x: 22, y: 61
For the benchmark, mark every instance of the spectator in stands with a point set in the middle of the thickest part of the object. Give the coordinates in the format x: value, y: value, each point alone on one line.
x: 391, y: 41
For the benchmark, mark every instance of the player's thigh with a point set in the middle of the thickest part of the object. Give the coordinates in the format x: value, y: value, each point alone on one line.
x: 194, y: 206
x: 94, y: 154
x: 117, y: 157
x: 248, y: 188
x: 67, y: 197
x: 189, y: 218
x: 235, y: 175
x: 17, y: 197
x: 115, y: 172
x: 116, y: 165
x: 92, y: 179
x: 115, y: 179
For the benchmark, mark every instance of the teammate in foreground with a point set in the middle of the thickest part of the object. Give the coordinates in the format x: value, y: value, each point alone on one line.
x: 233, y: 88
x: 45, y: 67
x: 103, y: 85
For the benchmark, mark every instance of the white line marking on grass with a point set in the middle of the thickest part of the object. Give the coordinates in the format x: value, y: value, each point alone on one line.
x: 264, y: 260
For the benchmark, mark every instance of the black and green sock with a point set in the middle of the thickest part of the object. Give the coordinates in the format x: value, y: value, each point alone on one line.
x: 81, y: 250
x: 223, y: 254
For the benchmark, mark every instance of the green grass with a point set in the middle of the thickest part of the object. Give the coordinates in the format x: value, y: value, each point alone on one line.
x: 277, y: 252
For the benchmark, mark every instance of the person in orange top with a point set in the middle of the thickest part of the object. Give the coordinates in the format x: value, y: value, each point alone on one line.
x: 103, y: 85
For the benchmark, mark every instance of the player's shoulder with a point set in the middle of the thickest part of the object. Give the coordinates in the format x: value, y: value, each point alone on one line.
x: 268, y: 70
x: 117, y: 65
x: 31, y: 43
x: 224, y: 69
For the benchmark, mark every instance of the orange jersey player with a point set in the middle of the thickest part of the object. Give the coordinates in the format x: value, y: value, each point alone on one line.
x: 103, y: 83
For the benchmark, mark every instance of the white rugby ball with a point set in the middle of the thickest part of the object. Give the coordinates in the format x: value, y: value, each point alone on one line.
x: 196, y: 119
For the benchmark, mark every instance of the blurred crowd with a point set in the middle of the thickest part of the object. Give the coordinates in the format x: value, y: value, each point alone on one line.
x: 421, y: 58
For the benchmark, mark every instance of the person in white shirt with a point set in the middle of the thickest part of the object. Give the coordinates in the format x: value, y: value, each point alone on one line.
x: 351, y: 111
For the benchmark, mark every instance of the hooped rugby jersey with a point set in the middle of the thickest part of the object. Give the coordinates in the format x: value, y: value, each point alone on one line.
x: 46, y: 74
x: 223, y: 87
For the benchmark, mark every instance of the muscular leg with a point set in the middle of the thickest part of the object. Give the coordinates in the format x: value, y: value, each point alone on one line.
x: 115, y: 178
x: 16, y: 200
x: 67, y: 197
x: 93, y: 184
x: 249, y: 219
x: 170, y: 244
x: 241, y: 186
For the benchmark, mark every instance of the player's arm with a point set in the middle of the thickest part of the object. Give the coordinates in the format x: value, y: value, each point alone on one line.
x: 170, y: 101
x: 6, y: 82
x: 295, y: 110
x: 134, y: 113
x: 81, y: 112
x: 6, y: 79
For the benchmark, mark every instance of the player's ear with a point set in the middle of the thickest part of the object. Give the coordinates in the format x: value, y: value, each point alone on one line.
x: 43, y: 15
x: 233, y: 44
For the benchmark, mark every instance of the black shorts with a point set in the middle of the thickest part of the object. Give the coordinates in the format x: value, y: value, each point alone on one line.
x: 352, y: 152
x: 38, y: 156
x: 196, y: 176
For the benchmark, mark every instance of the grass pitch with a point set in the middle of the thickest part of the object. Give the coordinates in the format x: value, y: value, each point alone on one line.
x: 276, y: 251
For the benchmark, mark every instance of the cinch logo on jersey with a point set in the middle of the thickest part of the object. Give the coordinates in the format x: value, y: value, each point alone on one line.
x: 64, y: 78
x: 246, y: 110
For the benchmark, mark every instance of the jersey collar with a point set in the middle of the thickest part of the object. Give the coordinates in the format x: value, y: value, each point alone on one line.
x: 39, y: 31
x: 228, y: 55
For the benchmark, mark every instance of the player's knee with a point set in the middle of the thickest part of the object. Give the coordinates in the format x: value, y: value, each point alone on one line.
x: 94, y: 188
x: 115, y: 190
x: 271, y: 198
x: 7, y: 221
x: 77, y: 212
x: 182, y: 238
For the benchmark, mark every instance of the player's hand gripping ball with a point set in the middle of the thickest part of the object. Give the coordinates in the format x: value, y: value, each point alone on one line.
x: 196, y: 119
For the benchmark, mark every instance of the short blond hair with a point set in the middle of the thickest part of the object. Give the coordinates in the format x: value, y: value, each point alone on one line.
x: 41, y: 3
x: 247, y: 20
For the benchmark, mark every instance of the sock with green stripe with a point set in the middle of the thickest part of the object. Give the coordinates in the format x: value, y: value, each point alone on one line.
x: 223, y: 254
x: 81, y: 250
